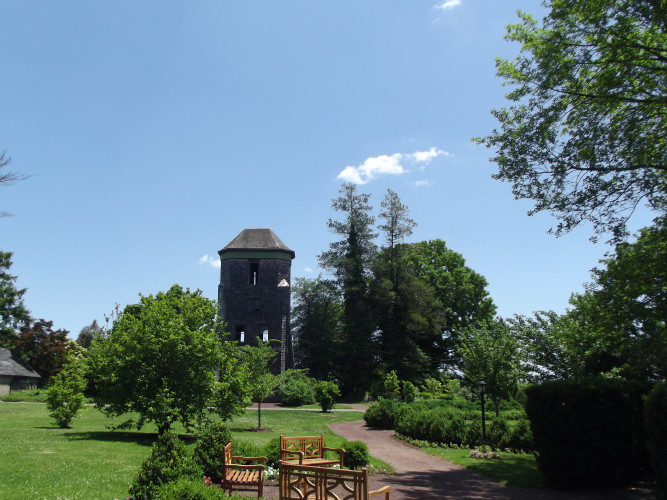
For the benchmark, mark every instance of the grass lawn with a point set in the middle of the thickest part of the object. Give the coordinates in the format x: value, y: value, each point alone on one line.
x: 40, y: 460
x: 511, y: 470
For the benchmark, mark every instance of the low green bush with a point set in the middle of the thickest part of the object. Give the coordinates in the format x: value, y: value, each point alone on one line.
x: 499, y: 433
x: 296, y: 389
x: 248, y: 449
x: 356, y: 454
x: 189, y: 489
x: 169, y: 461
x: 326, y: 394
x: 655, y: 421
x: 272, y: 452
x: 382, y: 414
x: 521, y: 437
x: 208, y: 449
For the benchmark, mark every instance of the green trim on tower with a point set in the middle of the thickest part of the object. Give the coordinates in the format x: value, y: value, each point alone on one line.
x: 255, y: 254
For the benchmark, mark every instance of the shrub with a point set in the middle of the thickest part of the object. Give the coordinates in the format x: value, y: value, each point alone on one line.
x: 655, y: 421
x: 248, y: 449
x: 456, y: 429
x: 408, y: 392
x: 168, y: 461
x: 272, y: 452
x: 382, y: 414
x: 391, y: 386
x: 65, y: 393
x: 296, y: 389
x: 209, y: 448
x: 588, y: 431
x: 326, y: 394
x: 473, y: 435
x: 499, y: 433
x: 521, y: 437
x: 356, y: 454
x: 414, y: 421
x: 189, y: 489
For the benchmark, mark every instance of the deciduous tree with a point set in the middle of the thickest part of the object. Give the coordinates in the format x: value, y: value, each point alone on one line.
x: 585, y: 136
x: 43, y: 348
x: 261, y: 380
x: 160, y: 360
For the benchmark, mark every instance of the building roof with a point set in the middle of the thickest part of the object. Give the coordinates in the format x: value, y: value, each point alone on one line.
x: 263, y: 239
x: 11, y: 365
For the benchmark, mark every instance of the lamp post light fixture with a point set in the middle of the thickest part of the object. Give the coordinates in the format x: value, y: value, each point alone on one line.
x: 482, y: 385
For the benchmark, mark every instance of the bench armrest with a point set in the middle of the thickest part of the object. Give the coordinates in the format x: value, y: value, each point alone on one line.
x: 340, y: 451
x: 244, y: 467
x: 251, y: 459
x: 382, y: 491
x: 284, y: 452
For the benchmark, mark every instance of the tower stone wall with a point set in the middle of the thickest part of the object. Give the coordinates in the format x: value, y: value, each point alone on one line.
x: 254, y: 291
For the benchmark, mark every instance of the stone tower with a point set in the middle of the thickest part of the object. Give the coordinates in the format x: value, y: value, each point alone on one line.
x: 254, y: 290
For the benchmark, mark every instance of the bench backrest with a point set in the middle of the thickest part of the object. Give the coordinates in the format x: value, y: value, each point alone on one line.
x: 227, y: 455
x: 311, y: 446
x: 323, y: 483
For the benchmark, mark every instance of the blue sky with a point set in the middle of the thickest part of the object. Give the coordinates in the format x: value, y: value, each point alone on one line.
x: 153, y: 132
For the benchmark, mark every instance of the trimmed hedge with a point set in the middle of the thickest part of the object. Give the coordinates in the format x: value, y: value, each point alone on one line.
x: 588, y: 432
x: 356, y: 454
x: 655, y: 418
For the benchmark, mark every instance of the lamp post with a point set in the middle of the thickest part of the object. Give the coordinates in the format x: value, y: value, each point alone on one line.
x: 482, y: 385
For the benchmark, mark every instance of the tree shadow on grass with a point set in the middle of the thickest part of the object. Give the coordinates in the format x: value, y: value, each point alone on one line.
x: 142, y: 438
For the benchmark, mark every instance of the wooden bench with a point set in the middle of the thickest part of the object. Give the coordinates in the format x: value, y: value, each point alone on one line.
x: 308, y: 450
x: 325, y: 483
x: 242, y: 477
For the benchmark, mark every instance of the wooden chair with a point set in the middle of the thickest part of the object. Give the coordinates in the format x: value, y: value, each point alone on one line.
x: 325, y: 483
x: 242, y: 477
x: 308, y: 450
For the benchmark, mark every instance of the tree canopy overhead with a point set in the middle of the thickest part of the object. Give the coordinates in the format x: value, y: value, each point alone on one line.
x: 586, y: 135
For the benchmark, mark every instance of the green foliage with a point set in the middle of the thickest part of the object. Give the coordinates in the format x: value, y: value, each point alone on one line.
x: 26, y: 395
x: 247, y: 449
x: 655, y: 421
x: 207, y: 453
x: 65, y: 393
x: 186, y: 488
x: 585, y: 134
x: 168, y: 461
x: 272, y: 452
x: 521, y: 437
x: 598, y: 417
x: 473, y: 435
x: 356, y: 454
x: 316, y: 317
x: 382, y: 414
x: 159, y: 361
x: 391, y: 387
x: 296, y: 388
x: 409, y: 392
x: 499, y: 433
x: 350, y: 259
x: 13, y: 313
x: 491, y: 353
x: 261, y: 381
x: 326, y: 393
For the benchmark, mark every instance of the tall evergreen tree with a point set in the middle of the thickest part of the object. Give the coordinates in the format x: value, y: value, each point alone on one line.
x: 350, y: 259
x: 316, y: 317
x: 13, y: 314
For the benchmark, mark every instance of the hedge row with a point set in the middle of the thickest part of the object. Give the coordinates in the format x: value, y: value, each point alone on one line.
x: 449, y: 426
x: 588, y: 432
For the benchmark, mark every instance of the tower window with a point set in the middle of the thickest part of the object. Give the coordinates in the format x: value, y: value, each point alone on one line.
x: 265, y: 335
x: 240, y: 333
x: 254, y: 273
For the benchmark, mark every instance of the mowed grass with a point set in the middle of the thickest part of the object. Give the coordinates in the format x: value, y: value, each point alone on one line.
x: 39, y: 460
x: 512, y: 469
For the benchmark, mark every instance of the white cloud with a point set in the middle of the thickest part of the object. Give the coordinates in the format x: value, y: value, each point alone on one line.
x: 373, y: 167
x: 422, y: 183
x: 211, y: 261
x: 427, y: 156
x: 308, y: 270
x: 448, y: 4
x: 376, y: 166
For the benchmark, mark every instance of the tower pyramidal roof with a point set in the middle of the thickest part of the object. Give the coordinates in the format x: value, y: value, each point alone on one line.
x: 261, y: 239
